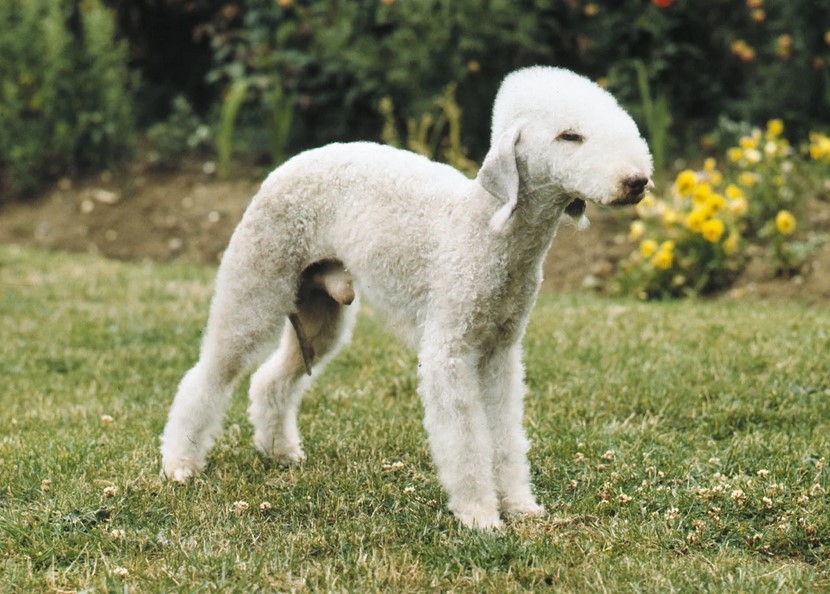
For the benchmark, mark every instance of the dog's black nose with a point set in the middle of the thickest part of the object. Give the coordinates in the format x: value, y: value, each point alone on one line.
x: 635, y: 185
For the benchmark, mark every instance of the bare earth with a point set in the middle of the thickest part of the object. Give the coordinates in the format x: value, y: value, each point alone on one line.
x: 188, y: 215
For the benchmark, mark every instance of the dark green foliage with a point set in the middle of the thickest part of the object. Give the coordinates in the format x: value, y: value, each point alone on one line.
x: 64, y: 103
x: 181, y: 134
x: 341, y: 58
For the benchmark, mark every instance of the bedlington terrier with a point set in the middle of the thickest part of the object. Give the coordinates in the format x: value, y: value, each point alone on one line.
x: 454, y: 263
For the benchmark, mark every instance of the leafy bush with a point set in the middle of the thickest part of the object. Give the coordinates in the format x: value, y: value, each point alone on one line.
x: 183, y: 133
x: 435, y: 134
x: 746, y: 60
x: 64, y: 104
x: 693, y: 240
x: 341, y: 58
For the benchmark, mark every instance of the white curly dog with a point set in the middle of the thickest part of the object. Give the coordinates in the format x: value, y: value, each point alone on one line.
x: 454, y: 263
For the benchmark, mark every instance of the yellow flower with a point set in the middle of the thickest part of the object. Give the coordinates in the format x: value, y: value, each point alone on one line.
x: 648, y: 247
x: 663, y: 259
x: 743, y: 50
x: 738, y: 206
x: 695, y: 220
x: 591, y: 10
x: 775, y: 128
x: 701, y: 193
x: 730, y: 246
x: 747, y: 179
x: 785, y: 222
x: 734, y: 192
x: 715, y: 203
x: 670, y: 217
x: 784, y: 45
x: 686, y: 182
x: 709, y: 165
x: 636, y: 230
x: 819, y: 146
x: 715, y: 178
x: 712, y: 230
x: 667, y: 246
x: 748, y: 142
x: 734, y: 154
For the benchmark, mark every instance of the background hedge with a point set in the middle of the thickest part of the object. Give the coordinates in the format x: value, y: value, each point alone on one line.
x: 327, y: 64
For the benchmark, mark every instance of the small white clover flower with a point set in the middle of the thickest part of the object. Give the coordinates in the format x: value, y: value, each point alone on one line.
x: 239, y: 507
x: 106, y: 420
x: 265, y: 506
x: 110, y: 491
x: 121, y: 572
x: 738, y: 496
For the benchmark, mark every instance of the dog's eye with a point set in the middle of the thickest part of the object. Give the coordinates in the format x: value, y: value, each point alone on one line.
x: 569, y: 136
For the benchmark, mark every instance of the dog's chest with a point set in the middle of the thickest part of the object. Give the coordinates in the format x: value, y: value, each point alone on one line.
x: 500, y: 316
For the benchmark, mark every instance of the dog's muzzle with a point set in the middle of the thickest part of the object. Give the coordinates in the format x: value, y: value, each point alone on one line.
x: 632, y: 191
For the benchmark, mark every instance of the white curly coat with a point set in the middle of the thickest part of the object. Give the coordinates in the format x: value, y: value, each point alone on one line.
x: 455, y: 264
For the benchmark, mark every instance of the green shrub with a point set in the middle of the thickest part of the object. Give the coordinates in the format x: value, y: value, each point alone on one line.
x: 183, y: 133
x: 746, y: 60
x: 340, y: 59
x: 435, y: 134
x: 64, y: 101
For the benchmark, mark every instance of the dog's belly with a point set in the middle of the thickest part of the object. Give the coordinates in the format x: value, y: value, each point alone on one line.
x: 398, y: 297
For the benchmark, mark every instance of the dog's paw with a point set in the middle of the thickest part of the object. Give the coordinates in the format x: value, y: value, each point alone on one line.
x: 181, y: 471
x: 522, y: 507
x: 293, y: 456
x: 479, y: 518
x: 282, y: 451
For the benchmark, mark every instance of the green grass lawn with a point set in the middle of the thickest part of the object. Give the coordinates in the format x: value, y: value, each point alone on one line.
x: 677, y: 447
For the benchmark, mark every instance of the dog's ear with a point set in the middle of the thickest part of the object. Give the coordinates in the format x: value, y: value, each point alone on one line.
x: 499, y: 175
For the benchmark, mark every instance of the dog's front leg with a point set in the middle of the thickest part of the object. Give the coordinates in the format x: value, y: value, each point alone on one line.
x: 502, y: 382
x: 458, y: 434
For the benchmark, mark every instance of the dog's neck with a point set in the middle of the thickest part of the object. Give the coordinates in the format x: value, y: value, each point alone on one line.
x: 534, y: 222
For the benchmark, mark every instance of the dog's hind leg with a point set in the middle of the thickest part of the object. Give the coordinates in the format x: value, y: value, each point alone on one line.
x: 277, y: 387
x: 254, y: 294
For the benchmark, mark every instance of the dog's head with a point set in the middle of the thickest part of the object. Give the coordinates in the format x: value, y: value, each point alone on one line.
x: 557, y: 131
